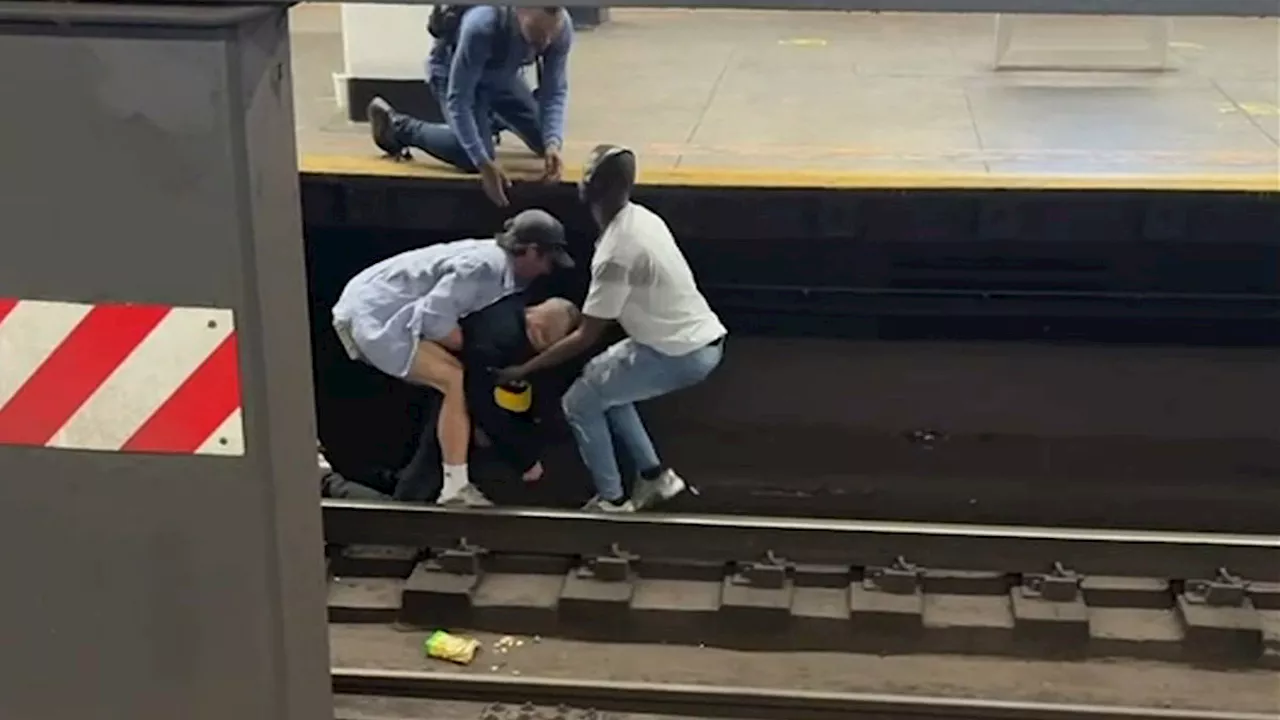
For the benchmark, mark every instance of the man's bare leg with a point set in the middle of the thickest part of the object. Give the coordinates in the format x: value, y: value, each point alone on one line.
x: 435, y: 367
x: 454, y: 428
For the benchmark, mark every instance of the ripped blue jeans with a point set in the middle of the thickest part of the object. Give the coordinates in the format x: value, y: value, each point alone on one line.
x: 600, y: 404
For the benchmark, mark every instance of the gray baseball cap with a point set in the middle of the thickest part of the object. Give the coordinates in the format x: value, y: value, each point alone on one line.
x: 542, y: 230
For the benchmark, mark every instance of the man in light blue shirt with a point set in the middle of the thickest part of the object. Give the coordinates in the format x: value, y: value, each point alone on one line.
x: 401, y: 316
x: 474, y: 71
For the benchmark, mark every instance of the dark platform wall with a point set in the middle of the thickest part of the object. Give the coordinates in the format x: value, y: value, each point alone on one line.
x: 967, y: 380
x: 986, y: 429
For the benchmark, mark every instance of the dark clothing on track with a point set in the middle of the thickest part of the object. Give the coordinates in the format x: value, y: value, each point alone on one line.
x: 500, y: 340
x: 494, y: 337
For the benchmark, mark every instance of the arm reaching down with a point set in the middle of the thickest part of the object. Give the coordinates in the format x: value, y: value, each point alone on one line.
x: 515, y: 438
x: 569, y: 347
x: 553, y: 88
x: 476, y: 33
x: 605, y: 299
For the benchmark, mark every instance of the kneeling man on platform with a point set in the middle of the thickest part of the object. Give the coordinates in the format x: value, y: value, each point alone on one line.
x: 508, y: 419
x: 641, y: 280
x: 474, y: 71
x: 402, y: 317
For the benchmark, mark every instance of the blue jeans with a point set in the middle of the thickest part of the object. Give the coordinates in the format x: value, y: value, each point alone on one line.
x: 601, y: 404
x: 512, y: 104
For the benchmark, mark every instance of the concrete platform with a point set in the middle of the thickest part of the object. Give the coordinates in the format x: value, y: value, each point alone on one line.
x: 851, y: 99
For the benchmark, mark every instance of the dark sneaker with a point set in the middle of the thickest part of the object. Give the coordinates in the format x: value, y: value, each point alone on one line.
x: 328, y: 482
x: 380, y: 114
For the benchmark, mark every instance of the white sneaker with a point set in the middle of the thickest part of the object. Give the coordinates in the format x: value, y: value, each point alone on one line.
x: 660, y: 489
x: 598, y: 504
x: 323, y: 462
x: 468, y: 496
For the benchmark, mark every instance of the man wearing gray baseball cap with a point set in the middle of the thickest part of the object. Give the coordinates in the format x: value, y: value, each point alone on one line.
x: 401, y: 316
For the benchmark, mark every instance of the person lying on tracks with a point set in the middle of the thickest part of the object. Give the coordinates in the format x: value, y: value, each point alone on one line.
x: 402, y: 317
x: 508, y: 419
x: 474, y: 71
x: 641, y: 280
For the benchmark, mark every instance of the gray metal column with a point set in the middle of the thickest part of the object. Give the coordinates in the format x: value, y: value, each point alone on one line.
x: 149, y: 203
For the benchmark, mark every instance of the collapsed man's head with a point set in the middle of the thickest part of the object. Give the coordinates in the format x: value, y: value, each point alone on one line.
x: 550, y: 321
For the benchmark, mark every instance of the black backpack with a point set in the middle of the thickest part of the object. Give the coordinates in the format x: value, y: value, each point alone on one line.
x: 445, y: 20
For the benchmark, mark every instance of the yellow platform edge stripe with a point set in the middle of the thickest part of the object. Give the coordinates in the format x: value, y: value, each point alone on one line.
x: 368, y: 166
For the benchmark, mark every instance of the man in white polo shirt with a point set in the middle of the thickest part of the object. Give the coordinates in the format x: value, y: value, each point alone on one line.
x: 641, y: 280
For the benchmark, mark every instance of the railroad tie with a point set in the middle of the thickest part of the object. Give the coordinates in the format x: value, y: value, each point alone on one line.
x: 773, y: 604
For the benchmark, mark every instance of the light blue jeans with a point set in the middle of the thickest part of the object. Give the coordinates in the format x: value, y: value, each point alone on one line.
x: 601, y: 404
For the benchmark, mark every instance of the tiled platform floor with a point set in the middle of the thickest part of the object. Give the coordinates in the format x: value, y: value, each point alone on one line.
x: 889, y: 93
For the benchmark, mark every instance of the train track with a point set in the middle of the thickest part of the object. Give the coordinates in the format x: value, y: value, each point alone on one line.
x: 707, y: 701
x: 798, y: 584
x: 1007, y: 549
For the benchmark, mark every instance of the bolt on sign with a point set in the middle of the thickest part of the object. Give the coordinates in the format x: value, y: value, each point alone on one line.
x: 119, y: 377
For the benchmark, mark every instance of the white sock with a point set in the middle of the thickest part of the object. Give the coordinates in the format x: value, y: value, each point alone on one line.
x: 455, y: 478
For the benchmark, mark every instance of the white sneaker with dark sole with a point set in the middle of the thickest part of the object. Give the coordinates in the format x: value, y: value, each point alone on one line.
x: 468, y: 496
x: 660, y: 489
x: 598, y: 504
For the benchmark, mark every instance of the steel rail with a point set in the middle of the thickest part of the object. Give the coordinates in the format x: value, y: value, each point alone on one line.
x: 722, y: 538
x: 994, y: 303
x: 711, y: 701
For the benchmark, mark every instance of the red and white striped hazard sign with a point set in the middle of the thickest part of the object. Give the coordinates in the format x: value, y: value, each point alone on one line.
x: 120, y: 378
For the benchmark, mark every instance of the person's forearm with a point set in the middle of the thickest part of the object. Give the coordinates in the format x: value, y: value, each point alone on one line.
x: 460, y: 109
x: 553, y: 90
x: 460, y: 98
x: 552, y: 102
x: 514, y: 440
x: 569, y: 347
x: 519, y: 449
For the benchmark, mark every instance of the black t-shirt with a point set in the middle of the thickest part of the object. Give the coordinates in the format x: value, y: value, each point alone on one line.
x: 495, y: 337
